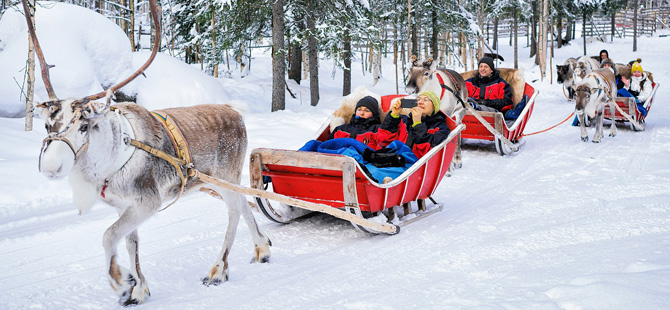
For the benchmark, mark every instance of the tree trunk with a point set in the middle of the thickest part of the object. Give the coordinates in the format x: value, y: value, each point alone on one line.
x: 346, y: 58
x: 533, y: 36
x: 480, y: 39
x: 495, y: 34
x: 216, y: 61
x: 635, y: 7
x: 516, y: 39
x: 395, y: 55
x: 415, y: 37
x: 30, y: 89
x: 131, y: 34
x: 542, y: 41
x: 409, y: 31
x: 278, y: 56
x: 313, y: 55
x: 559, y: 30
x: 613, y: 29
x: 435, y: 33
x: 584, y: 30
x: 295, y: 62
x: 568, y: 31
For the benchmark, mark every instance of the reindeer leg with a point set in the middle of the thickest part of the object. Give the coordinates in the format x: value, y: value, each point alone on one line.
x: 613, y: 123
x: 261, y: 242
x: 122, y: 281
x: 141, y: 289
x: 219, y: 272
x: 599, y: 127
x: 582, y: 126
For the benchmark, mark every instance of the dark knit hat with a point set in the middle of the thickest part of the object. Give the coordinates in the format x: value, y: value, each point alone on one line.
x: 488, y: 61
x: 370, y: 103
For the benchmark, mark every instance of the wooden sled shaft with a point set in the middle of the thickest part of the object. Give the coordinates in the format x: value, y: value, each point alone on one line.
x: 323, y: 208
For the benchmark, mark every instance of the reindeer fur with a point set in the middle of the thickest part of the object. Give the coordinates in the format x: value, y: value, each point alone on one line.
x: 595, y: 91
x: 137, y: 186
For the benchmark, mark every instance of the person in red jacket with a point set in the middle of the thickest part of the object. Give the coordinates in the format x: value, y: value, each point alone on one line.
x: 426, y: 125
x: 364, y: 126
x: 488, y: 90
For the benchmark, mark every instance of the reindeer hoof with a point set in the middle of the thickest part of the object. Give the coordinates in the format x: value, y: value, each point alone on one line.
x: 596, y: 141
x: 585, y: 139
x: 217, y: 275
x: 207, y: 281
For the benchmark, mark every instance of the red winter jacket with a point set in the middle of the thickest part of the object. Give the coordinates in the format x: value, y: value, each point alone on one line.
x: 491, y: 91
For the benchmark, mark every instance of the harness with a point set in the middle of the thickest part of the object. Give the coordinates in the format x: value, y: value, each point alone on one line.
x: 444, y: 86
x: 60, y: 136
x: 182, y: 163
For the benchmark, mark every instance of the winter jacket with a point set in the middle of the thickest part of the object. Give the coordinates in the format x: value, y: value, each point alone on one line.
x: 421, y: 138
x: 640, y: 87
x: 365, y: 130
x: 491, y: 91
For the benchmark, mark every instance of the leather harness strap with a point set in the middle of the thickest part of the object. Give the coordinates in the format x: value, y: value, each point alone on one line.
x: 182, y: 163
x: 444, y: 86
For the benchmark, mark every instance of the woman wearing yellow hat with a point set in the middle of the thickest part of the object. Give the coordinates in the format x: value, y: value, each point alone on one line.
x: 426, y: 124
x: 639, y: 86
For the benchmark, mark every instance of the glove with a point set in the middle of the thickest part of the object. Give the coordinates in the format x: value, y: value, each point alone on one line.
x: 474, y: 104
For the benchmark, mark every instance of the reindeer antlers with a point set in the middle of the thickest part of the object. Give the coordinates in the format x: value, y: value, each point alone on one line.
x: 40, y: 55
x: 157, y: 40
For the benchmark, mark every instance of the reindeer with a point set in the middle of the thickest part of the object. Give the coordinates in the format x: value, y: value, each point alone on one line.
x: 596, y: 90
x: 564, y: 75
x: 584, y: 66
x: 102, y: 150
x: 447, y: 84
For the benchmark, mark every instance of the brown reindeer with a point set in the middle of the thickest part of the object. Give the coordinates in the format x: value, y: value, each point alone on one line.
x: 97, y: 147
x: 447, y: 84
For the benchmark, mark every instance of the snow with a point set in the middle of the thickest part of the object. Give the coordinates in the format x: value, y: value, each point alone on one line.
x: 562, y: 224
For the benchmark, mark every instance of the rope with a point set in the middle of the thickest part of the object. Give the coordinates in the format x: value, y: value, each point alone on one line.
x: 552, y: 127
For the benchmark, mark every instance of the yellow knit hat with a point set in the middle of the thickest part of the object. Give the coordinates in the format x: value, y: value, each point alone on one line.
x: 436, y: 101
x: 636, y: 67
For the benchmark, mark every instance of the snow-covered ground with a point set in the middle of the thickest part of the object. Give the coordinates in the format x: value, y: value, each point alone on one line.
x: 562, y: 224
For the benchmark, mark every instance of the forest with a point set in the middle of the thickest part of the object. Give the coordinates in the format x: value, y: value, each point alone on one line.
x: 222, y: 36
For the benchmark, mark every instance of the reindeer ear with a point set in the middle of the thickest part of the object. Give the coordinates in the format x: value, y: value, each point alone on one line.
x: 415, y: 62
x: 93, y: 109
x: 43, y: 110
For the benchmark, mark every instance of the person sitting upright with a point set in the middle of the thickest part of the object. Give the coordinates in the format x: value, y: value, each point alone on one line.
x: 426, y: 125
x: 639, y: 86
x: 363, y: 125
x: 489, y: 91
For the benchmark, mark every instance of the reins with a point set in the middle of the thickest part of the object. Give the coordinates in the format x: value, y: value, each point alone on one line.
x: 444, y: 86
x: 552, y: 127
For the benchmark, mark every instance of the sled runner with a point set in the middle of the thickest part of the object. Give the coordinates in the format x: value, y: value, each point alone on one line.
x: 628, y: 112
x: 337, y: 185
x: 491, y: 126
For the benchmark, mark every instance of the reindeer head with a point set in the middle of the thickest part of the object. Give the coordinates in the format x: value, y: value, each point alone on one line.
x: 564, y: 73
x: 580, y: 71
x: 68, y: 122
x: 420, y: 74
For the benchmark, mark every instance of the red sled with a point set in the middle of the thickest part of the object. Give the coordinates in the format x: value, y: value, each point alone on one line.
x: 336, y: 184
x: 507, y: 135
x: 628, y: 112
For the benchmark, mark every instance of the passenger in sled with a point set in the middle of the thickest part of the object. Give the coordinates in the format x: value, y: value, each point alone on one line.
x: 426, y: 124
x: 488, y: 91
x: 381, y: 153
x: 639, y: 86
